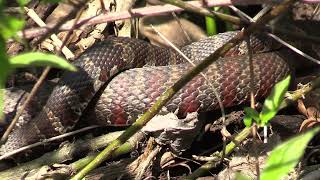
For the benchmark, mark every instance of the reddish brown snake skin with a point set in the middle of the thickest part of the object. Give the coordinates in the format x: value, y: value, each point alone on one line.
x: 132, y: 92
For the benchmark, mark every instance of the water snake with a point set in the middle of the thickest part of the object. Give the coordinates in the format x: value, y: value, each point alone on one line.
x: 132, y: 92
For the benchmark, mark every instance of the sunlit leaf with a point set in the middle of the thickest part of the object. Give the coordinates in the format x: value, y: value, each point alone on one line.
x: 272, y: 103
x: 40, y: 59
x: 9, y: 26
x: 5, y: 69
x: 23, y: 2
x: 286, y: 156
x: 247, y: 120
x: 253, y: 113
x: 211, y: 26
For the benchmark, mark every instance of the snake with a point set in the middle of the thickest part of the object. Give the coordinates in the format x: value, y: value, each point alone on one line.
x: 120, y: 78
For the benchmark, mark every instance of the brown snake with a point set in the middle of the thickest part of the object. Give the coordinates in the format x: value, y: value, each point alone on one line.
x: 132, y: 92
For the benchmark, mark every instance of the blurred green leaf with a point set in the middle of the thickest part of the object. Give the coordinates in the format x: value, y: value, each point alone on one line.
x: 212, y: 23
x: 272, y: 103
x: 211, y: 26
x: 9, y: 26
x: 40, y: 59
x: 252, y: 113
x: 286, y: 156
x: 23, y: 2
x: 1, y: 5
x: 247, y: 120
x: 5, y: 69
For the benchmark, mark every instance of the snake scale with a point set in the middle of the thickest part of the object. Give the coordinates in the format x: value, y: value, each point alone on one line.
x: 132, y: 92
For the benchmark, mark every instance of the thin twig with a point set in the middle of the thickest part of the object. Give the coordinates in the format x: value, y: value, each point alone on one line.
x: 181, y: 27
x: 205, y: 11
x: 252, y: 93
x: 254, y: 2
x: 79, y: 4
x: 46, y: 141
x: 273, y: 36
x: 147, y: 162
x: 245, y: 22
x: 296, y: 50
x: 297, y: 94
x: 229, y: 148
x: 128, y: 146
x: 56, y: 41
x: 223, y: 114
x: 25, y: 104
x: 69, y: 33
x: 252, y: 105
x: 153, y: 11
x: 315, y: 12
x: 240, y: 13
x: 69, y: 151
x: 111, y: 17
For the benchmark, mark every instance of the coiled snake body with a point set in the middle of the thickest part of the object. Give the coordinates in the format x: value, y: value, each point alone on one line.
x: 132, y: 92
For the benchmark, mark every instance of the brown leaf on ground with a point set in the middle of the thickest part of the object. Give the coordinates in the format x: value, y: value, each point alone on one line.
x: 171, y: 29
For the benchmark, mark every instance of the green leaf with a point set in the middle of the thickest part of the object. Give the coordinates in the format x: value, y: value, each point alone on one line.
x: 286, y: 156
x: 23, y: 2
x: 40, y: 59
x: 249, y: 115
x: 247, y: 120
x: 252, y: 113
x: 211, y: 26
x: 9, y: 26
x: 1, y: 5
x: 272, y: 103
x: 5, y: 69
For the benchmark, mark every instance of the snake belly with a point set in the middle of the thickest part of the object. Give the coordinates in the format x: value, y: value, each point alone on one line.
x: 132, y: 92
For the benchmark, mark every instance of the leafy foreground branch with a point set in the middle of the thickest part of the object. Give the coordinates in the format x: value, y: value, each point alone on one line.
x: 71, y: 150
